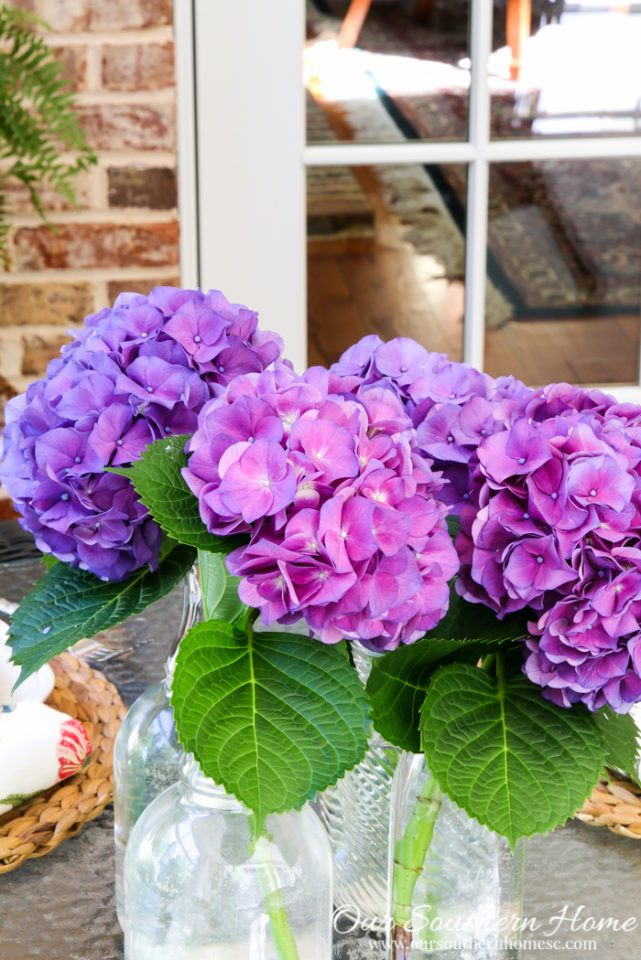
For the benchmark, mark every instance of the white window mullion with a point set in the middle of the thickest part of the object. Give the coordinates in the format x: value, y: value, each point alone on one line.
x: 477, y: 185
x: 366, y: 154
x: 562, y: 148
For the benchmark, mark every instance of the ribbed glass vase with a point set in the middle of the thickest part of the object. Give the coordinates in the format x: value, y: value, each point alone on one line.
x: 458, y: 900
x: 356, y: 812
x: 147, y: 754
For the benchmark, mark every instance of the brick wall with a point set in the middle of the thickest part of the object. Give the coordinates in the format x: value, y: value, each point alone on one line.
x: 119, y: 58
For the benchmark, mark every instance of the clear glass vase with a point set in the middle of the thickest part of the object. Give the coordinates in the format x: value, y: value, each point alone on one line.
x: 458, y: 900
x: 198, y: 888
x: 356, y: 813
x: 147, y: 754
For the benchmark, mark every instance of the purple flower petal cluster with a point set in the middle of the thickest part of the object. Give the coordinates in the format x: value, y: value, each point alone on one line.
x: 137, y: 372
x: 345, y: 527
x: 547, y: 484
x: 452, y: 406
x: 554, y: 524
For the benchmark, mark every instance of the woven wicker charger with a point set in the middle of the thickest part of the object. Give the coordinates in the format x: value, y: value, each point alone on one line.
x: 615, y: 804
x: 40, y: 824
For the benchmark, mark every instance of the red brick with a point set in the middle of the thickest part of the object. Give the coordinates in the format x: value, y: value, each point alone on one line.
x: 19, y: 198
x: 74, y: 61
x: 152, y: 187
x: 138, y: 66
x: 139, y: 286
x: 39, y: 350
x: 83, y: 245
x: 65, y: 304
x: 117, y: 126
x: 71, y: 16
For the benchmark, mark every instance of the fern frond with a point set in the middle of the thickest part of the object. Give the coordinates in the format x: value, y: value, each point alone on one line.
x: 37, y: 120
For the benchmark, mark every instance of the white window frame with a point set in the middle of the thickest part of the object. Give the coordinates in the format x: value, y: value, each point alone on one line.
x: 267, y: 161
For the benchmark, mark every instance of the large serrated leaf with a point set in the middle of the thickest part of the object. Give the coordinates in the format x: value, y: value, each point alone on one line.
x: 159, y: 483
x: 510, y: 758
x: 622, y: 741
x: 68, y: 604
x: 398, y: 682
x: 274, y: 718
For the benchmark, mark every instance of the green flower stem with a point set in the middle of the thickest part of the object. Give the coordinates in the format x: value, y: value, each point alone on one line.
x: 409, y: 857
x: 279, y: 925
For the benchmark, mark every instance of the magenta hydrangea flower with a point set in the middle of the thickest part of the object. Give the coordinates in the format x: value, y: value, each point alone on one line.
x: 553, y: 523
x: 137, y: 372
x: 341, y: 507
x: 452, y: 406
x: 547, y: 485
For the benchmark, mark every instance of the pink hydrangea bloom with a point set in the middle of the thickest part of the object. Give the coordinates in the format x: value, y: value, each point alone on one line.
x: 345, y: 526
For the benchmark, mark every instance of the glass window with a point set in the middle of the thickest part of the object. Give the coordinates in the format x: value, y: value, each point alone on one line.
x: 386, y: 255
x: 564, y: 270
x: 383, y: 72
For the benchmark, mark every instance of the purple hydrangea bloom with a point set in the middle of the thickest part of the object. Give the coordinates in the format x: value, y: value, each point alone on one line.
x: 547, y: 484
x: 341, y: 507
x: 452, y: 406
x: 553, y: 523
x: 137, y: 372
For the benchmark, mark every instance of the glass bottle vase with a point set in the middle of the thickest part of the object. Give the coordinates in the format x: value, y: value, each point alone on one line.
x: 356, y: 813
x: 454, y: 886
x: 147, y: 754
x: 198, y: 888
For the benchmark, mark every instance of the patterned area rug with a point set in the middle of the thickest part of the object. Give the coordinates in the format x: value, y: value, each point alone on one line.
x: 564, y: 236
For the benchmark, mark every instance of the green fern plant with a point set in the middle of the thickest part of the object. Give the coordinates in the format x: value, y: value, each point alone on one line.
x: 37, y: 121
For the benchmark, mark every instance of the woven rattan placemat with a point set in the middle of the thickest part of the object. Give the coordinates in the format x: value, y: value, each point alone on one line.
x: 616, y: 804
x: 40, y: 824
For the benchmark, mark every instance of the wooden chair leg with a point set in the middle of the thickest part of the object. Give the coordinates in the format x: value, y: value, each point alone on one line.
x: 353, y: 22
x: 517, y: 30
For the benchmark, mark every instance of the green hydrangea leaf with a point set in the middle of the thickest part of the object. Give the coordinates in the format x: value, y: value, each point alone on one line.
x: 621, y: 736
x: 159, y: 483
x: 398, y: 682
x: 219, y: 588
x: 468, y: 622
x: 68, y: 604
x: 274, y: 718
x: 515, y: 761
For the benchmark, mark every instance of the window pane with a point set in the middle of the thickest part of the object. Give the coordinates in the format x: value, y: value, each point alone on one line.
x: 404, y: 75
x: 565, y: 69
x: 386, y: 255
x: 564, y: 270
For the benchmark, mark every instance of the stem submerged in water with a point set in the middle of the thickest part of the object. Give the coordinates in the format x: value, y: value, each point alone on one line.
x: 279, y: 925
x: 409, y: 857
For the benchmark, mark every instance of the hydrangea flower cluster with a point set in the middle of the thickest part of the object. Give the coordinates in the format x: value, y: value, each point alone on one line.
x: 345, y: 527
x: 135, y: 373
x: 554, y: 524
x: 452, y: 406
